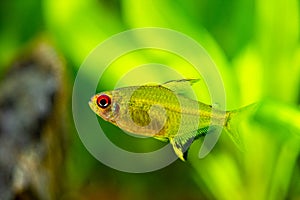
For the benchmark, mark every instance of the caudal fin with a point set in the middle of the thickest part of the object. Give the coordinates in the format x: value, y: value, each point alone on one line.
x: 233, y: 120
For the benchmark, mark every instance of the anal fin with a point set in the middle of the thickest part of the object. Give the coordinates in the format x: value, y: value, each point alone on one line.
x: 181, y: 145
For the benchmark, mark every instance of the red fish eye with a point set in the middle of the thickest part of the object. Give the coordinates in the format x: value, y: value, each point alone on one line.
x: 103, y: 101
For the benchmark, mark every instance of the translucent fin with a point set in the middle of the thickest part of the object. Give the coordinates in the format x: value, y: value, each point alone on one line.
x: 233, y: 121
x: 163, y: 139
x: 180, y: 86
x: 181, y: 145
x: 234, y: 135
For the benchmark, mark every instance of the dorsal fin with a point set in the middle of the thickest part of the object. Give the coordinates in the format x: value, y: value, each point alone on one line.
x: 182, y: 87
x: 179, y: 85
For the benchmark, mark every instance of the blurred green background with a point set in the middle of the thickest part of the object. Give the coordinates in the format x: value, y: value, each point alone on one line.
x: 256, y: 47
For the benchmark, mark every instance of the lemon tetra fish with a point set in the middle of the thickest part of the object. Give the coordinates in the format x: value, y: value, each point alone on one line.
x: 163, y: 112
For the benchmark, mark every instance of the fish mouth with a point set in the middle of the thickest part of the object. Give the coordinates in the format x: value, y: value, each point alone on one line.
x: 91, y: 104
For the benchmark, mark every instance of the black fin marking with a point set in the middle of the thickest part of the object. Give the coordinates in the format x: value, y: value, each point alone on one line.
x: 181, y: 144
x: 185, y: 154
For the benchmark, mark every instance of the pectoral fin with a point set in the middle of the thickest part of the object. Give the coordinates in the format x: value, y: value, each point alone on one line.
x: 181, y: 145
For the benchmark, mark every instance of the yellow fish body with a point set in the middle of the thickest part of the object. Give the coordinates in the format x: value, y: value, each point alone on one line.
x: 160, y: 111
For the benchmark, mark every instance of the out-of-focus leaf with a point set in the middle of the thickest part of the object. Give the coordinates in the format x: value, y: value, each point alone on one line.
x: 277, y: 41
x: 20, y: 21
x: 79, y: 26
x: 169, y: 14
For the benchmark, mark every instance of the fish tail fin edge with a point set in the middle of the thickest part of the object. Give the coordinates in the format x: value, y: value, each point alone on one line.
x: 232, y: 131
x: 233, y: 119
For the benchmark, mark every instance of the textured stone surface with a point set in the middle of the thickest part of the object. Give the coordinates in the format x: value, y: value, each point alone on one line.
x: 30, y: 94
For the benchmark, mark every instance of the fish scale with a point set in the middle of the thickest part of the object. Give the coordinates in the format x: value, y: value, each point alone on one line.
x: 163, y: 112
x: 177, y: 109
